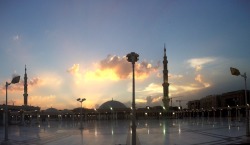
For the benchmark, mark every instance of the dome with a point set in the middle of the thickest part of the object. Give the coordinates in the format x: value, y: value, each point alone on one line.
x: 51, y: 110
x: 113, y: 104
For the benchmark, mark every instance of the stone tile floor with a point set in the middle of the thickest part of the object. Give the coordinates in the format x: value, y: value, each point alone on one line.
x: 187, y: 131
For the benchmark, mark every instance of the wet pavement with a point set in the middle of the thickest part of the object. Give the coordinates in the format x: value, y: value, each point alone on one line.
x: 188, y: 131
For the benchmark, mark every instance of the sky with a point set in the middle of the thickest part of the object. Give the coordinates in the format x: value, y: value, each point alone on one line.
x: 77, y: 49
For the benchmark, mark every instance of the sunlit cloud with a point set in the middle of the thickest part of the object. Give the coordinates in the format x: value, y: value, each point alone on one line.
x: 144, y: 69
x: 18, y: 87
x: 183, y: 89
x: 198, y: 63
x: 123, y: 68
x: 74, y: 69
x: 149, y: 101
x: 99, y: 75
x: 34, y: 81
x: 174, y: 76
x: 140, y: 100
x: 153, y: 88
x: 200, y: 79
x: 43, y: 101
x: 50, y: 80
x: 174, y: 89
x: 113, y: 68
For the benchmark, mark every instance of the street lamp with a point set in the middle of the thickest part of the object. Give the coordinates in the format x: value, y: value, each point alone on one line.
x: 133, y: 57
x: 112, y: 113
x: 236, y: 72
x: 81, y: 100
x: 14, y: 81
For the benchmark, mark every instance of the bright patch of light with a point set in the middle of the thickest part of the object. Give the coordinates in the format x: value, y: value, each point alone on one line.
x: 100, y: 75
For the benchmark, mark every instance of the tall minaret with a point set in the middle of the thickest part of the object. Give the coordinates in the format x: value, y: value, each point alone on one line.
x: 25, y: 95
x: 165, y: 83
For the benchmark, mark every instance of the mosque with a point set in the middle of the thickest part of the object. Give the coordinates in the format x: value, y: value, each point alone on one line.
x: 227, y: 104
x: 112, y: 109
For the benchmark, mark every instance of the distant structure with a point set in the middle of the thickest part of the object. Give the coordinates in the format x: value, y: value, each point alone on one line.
x: 165, y: 83
x: 25, y: 95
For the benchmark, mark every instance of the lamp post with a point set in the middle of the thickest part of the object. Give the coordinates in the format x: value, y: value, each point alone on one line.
x: 14, y: 81
x: 81, y: 100
x: 133, y: 57
x: 236, y: 72
x: 112, y: 114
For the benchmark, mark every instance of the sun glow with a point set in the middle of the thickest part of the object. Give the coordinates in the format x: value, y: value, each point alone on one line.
x: 101, y: 75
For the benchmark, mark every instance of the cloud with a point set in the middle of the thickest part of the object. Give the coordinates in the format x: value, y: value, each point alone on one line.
x: 119, y: 64
x: 74, y: 69
x: 155, y: 100
x: 174, y: 76
x: 113, y: 68
x: 149, y: 100
x: 174, y: 88
x: 41, y: 101
x: 35, y: 81
x: 153, y: 88
x: 16, y: 37
x: 122, y: 67
x: 198, y: 63
x: 200, y: 79
x: 32, y: 83
x: 144, y: 69
x: 12, y: 88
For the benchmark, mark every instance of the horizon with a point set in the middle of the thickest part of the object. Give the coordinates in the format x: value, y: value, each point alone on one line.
x: 77, y: 49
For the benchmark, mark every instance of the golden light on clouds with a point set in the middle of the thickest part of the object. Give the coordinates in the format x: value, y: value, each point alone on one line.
x: 98, y: 82
x: 113, y: 68
x: 51, y: 80
x: 200, y: 79
x: 140, y: 100
x: 198, y: 63
x: 101, y: 75
x: 154, y: 88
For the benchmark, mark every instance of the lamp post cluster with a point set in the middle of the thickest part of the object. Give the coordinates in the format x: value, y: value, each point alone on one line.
x: 14, y: 81
x: 81, y: 100
x: 133, y: 57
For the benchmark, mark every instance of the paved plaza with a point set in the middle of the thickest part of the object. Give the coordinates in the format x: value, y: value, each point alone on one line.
x: 187, y: 131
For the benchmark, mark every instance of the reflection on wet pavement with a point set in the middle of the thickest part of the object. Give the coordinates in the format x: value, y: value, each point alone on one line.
x: 169, y: 131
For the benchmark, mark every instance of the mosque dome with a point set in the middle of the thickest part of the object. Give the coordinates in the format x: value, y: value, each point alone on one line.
x: 51, y: 110
x: 66, y: 111
x: 114, y: 104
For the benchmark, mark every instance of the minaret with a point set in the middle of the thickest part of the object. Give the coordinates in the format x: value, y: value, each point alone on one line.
x: 165, y: 83
x: 25, y: 95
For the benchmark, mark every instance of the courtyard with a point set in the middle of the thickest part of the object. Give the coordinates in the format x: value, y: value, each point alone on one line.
x: 186, y: 131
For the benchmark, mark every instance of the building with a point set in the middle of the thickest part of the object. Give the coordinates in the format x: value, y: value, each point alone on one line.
x: 193, y: 105
x: 209, y: 102
x: 25, y: 88
x: 234, y: 98
x: 165, y: 83
x: 19, y: 113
